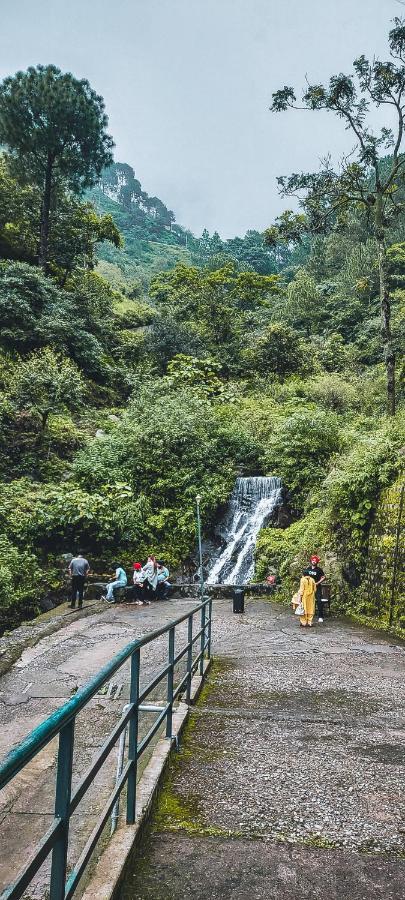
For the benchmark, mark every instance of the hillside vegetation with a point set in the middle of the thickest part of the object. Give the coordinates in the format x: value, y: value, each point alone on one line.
x: 154, y: 242
x: 136, y: 373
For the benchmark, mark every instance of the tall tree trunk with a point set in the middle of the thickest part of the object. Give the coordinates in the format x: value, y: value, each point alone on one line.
x: 45, y: 213
x: 385, y: 310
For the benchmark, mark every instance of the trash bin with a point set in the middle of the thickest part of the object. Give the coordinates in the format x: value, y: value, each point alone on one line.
x: 238, y: 600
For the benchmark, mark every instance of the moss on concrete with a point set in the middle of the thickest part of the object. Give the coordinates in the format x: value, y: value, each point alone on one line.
x: 184, y: 813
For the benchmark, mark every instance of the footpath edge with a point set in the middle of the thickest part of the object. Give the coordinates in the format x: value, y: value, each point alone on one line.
x: 111, y: 866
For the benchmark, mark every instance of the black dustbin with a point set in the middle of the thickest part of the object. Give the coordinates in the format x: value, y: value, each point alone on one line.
x: 238, y: 600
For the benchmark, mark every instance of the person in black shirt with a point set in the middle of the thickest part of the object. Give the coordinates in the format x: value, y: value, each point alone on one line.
x: 315, y: 571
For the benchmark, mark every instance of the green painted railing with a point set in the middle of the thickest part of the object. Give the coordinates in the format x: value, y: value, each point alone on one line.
x: 62, y: 723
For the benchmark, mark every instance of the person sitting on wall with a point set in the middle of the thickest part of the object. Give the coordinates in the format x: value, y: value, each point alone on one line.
x: 119, y: 581
x: 150, y: 576
x: 163, y: 585
x: 138, y: 591
x: 271, y: 580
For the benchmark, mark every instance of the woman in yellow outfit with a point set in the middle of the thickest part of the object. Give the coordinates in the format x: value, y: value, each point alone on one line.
x: 307, y: 595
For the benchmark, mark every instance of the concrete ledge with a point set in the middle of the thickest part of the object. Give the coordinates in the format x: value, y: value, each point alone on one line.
x: 198, y: 682
x: 111, y: 866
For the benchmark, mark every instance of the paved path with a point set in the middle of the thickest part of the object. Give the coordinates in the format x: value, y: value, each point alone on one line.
x: 290, y: 783
x: 42, y: 679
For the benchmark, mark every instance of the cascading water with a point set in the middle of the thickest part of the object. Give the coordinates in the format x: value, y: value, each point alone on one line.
x: 252, y: 502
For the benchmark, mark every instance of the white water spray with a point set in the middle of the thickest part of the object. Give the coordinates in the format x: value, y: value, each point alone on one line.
x: 251, y: 505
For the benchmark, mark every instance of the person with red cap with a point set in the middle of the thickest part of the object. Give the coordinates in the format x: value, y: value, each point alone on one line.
x: 314, y: 571
x: 138, y: 590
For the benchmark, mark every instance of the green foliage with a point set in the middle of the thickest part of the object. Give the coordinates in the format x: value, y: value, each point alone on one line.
x: 332, y: 391
x: 77, y: 321
x: 19, y: 213
x: 21, y: 582
x: 342, y: 508
x: 51, y: 519
x: 277, y: 350
x: 46, y: 113
x: 76, y: 229
x: 45, y: 384
x: 303, y: 307
x: 161, y: 427
x: 288, y: 550
x: 133, y: 314
x: 300, y: 449
x: 216, y: 306
x: 334, y: 355
x: 168, y: 338
x: 353, y: 488
x: 201, y: 375
x: 53, y: 127
x: 366, y: 181
x: 381, y: 593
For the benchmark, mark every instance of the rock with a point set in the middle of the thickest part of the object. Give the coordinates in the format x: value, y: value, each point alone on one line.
x: 46, y: 604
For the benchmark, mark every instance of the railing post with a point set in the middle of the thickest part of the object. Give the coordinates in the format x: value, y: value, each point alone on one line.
x: 170, y: 684
x: 62, y: 811
x: 200, y: 557
x: 202, y: 642
x: 133, y: 737
x: 189, y: 656
x: 209, y: 628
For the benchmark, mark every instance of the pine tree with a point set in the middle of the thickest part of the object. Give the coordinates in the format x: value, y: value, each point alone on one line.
x: 53, y: 127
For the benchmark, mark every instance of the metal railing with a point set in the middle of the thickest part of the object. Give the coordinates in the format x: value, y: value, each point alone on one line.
x: 62, y: 723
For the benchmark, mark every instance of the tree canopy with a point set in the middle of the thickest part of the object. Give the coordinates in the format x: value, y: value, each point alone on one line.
x: 366, y: 180
x: 53, y: 127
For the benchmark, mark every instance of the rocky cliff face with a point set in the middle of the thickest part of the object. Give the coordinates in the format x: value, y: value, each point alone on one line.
x: 384, y: 585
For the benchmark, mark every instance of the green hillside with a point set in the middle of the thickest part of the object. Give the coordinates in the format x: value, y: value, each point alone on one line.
x: 153, y: 242
x: 147, y: 247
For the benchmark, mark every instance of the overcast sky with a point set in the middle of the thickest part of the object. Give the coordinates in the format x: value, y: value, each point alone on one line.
x: 188, y: 83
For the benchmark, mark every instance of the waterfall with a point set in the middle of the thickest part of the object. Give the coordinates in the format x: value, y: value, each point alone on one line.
x: 252, y: 502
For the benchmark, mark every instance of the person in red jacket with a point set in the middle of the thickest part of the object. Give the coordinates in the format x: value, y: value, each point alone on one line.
x: 139, y: 590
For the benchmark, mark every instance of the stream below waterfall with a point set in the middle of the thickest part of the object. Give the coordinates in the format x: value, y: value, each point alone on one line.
x: 252, y: 503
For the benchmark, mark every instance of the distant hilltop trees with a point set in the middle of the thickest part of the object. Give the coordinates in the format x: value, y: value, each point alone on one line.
x: 149, y: 219
x: 118, y: 182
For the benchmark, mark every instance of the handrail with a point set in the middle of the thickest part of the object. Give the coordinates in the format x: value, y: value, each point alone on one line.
x: 40, y: 736
x: 62, y: 722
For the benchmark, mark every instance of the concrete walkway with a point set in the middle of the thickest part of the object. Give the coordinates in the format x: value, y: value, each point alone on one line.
x: 290, y: 781
x: 41, y: 680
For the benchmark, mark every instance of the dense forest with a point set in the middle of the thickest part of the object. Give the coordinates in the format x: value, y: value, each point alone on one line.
x: 141, y: 365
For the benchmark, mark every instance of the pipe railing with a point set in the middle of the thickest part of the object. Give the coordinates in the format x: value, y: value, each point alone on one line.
x: 62, y: 723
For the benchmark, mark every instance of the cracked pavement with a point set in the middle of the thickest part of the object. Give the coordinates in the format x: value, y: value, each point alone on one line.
x: 43, y: 677
x: 290, y: 783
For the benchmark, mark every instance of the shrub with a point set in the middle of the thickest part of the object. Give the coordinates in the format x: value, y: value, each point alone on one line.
x: 288, y: 551
x: 300, y: 449
x: 352, y: 491
x: 169, y: 447
x: 278, y: 350
x: 21, y: 584
x: 333, y: 392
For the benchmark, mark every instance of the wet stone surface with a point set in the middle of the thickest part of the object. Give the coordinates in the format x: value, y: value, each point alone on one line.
x: 295, y: 757
x: 180, y: 867
x: 47, y: 673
